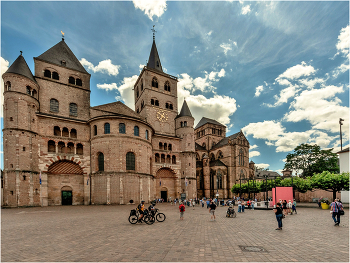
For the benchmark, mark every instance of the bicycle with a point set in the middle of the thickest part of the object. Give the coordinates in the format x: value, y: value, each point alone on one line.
x: 160, y: 217
x: 135, y: 214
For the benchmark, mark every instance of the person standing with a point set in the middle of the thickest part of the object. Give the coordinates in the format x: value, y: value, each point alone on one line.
x: 253, y: 203
x: 279, y: 214
x: 193, y: 203
x: 285, y: 207
x: 336, y: 207
x: 212, y: 211
x: 243, y: 205
x: 294, y: 206
x: 239, y: 206
x: 182, y: 211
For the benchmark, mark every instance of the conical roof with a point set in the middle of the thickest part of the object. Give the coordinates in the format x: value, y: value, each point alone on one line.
x: 20, y: 66
x: 61, y: 52
x: 154, y: 61
x: 185, y: 111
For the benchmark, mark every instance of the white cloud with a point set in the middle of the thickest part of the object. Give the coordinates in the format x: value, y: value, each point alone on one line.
x: 284, y: 95
x: 4, y: 66
x: 344, y: 40
x: 253, y: 154
x: 269, y: 130
x: 341, y: 69
x: 297, y: 71
x: 262, y: 165
x: 311, y: 83
x: 228, y: 46
x: 258, y: 90
x: 104, y: 66
x: 209, y: 33
x: 203, y: 84
x: 151, y: 7
x: 245, y: 10
x: 125, y: 90
x: 253, y: 147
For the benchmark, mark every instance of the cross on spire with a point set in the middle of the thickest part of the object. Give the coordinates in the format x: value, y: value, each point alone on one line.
x: 154, y: 31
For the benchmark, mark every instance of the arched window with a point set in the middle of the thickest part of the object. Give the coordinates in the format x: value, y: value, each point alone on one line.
x: 165, y: 146
x: 171, y: 106
x: 220, y: 155
x: 29, y: 90
x: 219, y: 179
x: 71, y: 80
x: 95, y: 130
x: 161, y: 146
x: 167, y: 105
x: 101, y: 162
x: 136, y: 131
x: 55, y: 75
x: 173, y: 159
x: 8, y: 85
x: 137, y: 92
x: 47, y: 73
x: 130, y: 161
x: 34, y: 93
x: 54, y: 105
x: 212, y: 157
x: 70, y: 148
x: 65, y: 132
x: 51, y: 147
x: 78, y: 82
x: 168, y: 158
x: 204, y: 145
x: 162, y: 158
x: 141, y: 85
x: 142, y: 104
x: 57, y: 131
x: 61, y: 147
x: 107, y: 128
x: 181, y: 124
x: 121, y: 128
x: 73, y: 109
x: 157, y: 158
x: 152, y: 101
x: 73, y: 133
x: 146, y: 134
x: 169, y: 147
x: 80, y: 149
x: 156, y: 103
x: 167, y: 86
x: 241, y: 157
x: 185, y: 123
x: 155, y: 82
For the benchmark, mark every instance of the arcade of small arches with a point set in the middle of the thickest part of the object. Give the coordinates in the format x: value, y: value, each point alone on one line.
x: 165, y: 146
x: 67, y: 148
x: 212, y: 157
x: 130, y: 161
x: 122, y: 130
x: 64, y: 132
x: 162, y: 158
x: 155, y: 84
x: 213, y: 131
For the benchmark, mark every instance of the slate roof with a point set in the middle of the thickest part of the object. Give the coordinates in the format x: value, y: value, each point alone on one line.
x: 185, y: 111
x: 60, y: 52
x: 270, y: 174
x: 224, y: 141
x: 153, y: 58
x: 199, y: 147
x: 216, y: 163
x: 205, y: 120
x: 20, y: 66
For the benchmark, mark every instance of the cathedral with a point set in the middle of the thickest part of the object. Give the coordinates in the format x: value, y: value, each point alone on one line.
x: 58, y: 150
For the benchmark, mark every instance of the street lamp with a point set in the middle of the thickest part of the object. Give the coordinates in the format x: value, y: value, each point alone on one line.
x: 341, y: 141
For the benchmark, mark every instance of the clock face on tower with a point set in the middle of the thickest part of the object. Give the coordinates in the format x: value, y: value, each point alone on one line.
x: 162, y: 116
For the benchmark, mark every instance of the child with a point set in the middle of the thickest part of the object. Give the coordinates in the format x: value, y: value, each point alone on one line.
x: 182, y: 210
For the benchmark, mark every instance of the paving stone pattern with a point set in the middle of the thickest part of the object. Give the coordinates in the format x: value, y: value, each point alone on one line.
x: 103, y: 233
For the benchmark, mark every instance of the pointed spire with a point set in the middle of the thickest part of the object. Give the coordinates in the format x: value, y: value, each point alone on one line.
x: 20, y: 67
x: 185, y: 111
x: 154, y: 61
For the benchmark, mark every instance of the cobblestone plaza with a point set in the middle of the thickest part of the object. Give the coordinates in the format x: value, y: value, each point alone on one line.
x: 103, y: 233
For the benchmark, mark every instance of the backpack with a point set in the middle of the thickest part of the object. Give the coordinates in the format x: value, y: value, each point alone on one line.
x: 182, y: 208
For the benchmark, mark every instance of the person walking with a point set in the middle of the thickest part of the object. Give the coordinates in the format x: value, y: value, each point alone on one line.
x: 212, y: 211
x: 284, y: 206
x: 279, y: 214
x: 336, y: 207
x: 289, y: 207
x: 208, y: 203
x: 182, y: 211
x: 202, y: 201
x: 239, y: 206
x: 193, y: 203
x: 294, y: 206
x: 253, y: 203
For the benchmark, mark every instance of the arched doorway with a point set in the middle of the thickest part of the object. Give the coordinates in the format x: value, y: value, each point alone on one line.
x: 166, y: 184
x: 67, y: 195
x: 164, y: 193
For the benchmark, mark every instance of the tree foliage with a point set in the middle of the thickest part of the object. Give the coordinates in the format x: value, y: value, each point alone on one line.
x: 311, y: 159
x: 330, y: 182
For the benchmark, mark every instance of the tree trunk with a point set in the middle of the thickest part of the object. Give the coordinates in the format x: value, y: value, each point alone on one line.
x: 334, y: 195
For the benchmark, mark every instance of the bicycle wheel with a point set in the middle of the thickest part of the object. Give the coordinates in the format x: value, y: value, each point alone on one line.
x: 160, y: 217
x: 133, y: 219
x: 148, y: 220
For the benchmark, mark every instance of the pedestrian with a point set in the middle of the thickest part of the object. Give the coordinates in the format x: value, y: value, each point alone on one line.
x: 336, y: 207
x: 208, y: 203
x: 212, y: 211
x: 279, y: 214
x: 253, y: 203
x: 294, y: 206
x: 319, y: 201
x: 182, y: 211
x: 239, y: 206
x: 285, y: 207
x: 202, y: 203
x: 243, y: 205
x: 193, y: 203
x: 289, y: 206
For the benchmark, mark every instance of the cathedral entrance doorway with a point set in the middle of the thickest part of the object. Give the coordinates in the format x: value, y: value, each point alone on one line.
x: 164, y: 195
x: 67, y: 196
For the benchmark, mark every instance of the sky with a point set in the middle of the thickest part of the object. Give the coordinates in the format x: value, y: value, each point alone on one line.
x: 278, y: 71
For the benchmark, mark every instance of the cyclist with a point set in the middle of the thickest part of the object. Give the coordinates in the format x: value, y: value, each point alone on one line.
x: 152, y: 208
x: 141, y: 207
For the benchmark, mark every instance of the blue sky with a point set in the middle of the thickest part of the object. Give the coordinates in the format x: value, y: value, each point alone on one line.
x: 277, y: 70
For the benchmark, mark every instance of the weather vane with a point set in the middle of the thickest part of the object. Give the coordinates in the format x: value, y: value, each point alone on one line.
x: 154, y: 37
x: 62, y: 35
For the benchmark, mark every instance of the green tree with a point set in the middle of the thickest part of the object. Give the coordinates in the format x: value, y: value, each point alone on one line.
x: 302, y: 185
x: 311, y: 159
x: 331, y: 182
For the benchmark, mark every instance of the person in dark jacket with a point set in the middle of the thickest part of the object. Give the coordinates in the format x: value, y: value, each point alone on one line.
x: 279, y: 214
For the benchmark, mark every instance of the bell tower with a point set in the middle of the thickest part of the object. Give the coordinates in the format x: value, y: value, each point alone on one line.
x: 156, y: 95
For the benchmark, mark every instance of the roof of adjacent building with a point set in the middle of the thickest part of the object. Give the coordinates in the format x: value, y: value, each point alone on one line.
x: 61, y: 52
x: 20, y: 66
x: 217, y: 162
x: 185, y: 111
x: 224, y: 141
x: 269, y: 174
x: 344, y: 150
x: 205, y: 120
x: 199, y: 147
x: 154, y: 61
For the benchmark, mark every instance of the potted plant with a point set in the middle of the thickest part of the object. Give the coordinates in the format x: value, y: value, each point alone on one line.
x: 325, y: 203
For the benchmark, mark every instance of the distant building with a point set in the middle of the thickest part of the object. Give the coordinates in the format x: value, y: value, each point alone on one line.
x: 344, y: 160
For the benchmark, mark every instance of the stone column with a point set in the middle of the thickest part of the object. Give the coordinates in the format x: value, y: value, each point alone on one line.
x: 44, y: 197
x: 121, y: 190
x: 206, y: 176
x: 108, y: 189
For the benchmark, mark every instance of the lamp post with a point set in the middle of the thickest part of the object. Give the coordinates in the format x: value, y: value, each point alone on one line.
x: 266, y: 195
x: 341, y: 141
